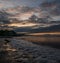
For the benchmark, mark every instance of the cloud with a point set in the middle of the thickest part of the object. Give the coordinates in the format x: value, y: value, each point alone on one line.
x: 1, y: 5
x: 52, y: 7
x: 6, y: 3
x: 24, y: 12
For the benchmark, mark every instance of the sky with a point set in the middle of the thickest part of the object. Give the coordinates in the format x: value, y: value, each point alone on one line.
x: 22, y: 9
x: 11, y: 3
x: 48, y: 10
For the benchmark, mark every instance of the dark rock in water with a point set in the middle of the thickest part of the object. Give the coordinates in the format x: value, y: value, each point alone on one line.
x: 7, y: 33
x: 6, y: 41
x: 3, y: 54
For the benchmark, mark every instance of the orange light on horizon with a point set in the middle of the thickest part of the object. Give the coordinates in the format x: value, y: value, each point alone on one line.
x: 23, y: 24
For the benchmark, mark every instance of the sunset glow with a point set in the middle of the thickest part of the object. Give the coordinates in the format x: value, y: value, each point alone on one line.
x: 45, y: 33
x: 23, y: 25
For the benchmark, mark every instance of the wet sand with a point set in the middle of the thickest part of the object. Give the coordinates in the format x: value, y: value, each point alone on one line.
x: 21, y: 51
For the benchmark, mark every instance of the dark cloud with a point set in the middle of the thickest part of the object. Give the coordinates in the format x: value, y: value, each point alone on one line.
x: 52, y: 7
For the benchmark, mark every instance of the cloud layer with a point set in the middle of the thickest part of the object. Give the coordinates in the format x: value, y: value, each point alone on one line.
x: 31, y: 3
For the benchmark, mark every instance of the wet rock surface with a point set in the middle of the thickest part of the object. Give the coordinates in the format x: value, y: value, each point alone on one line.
x: 20, y: 51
